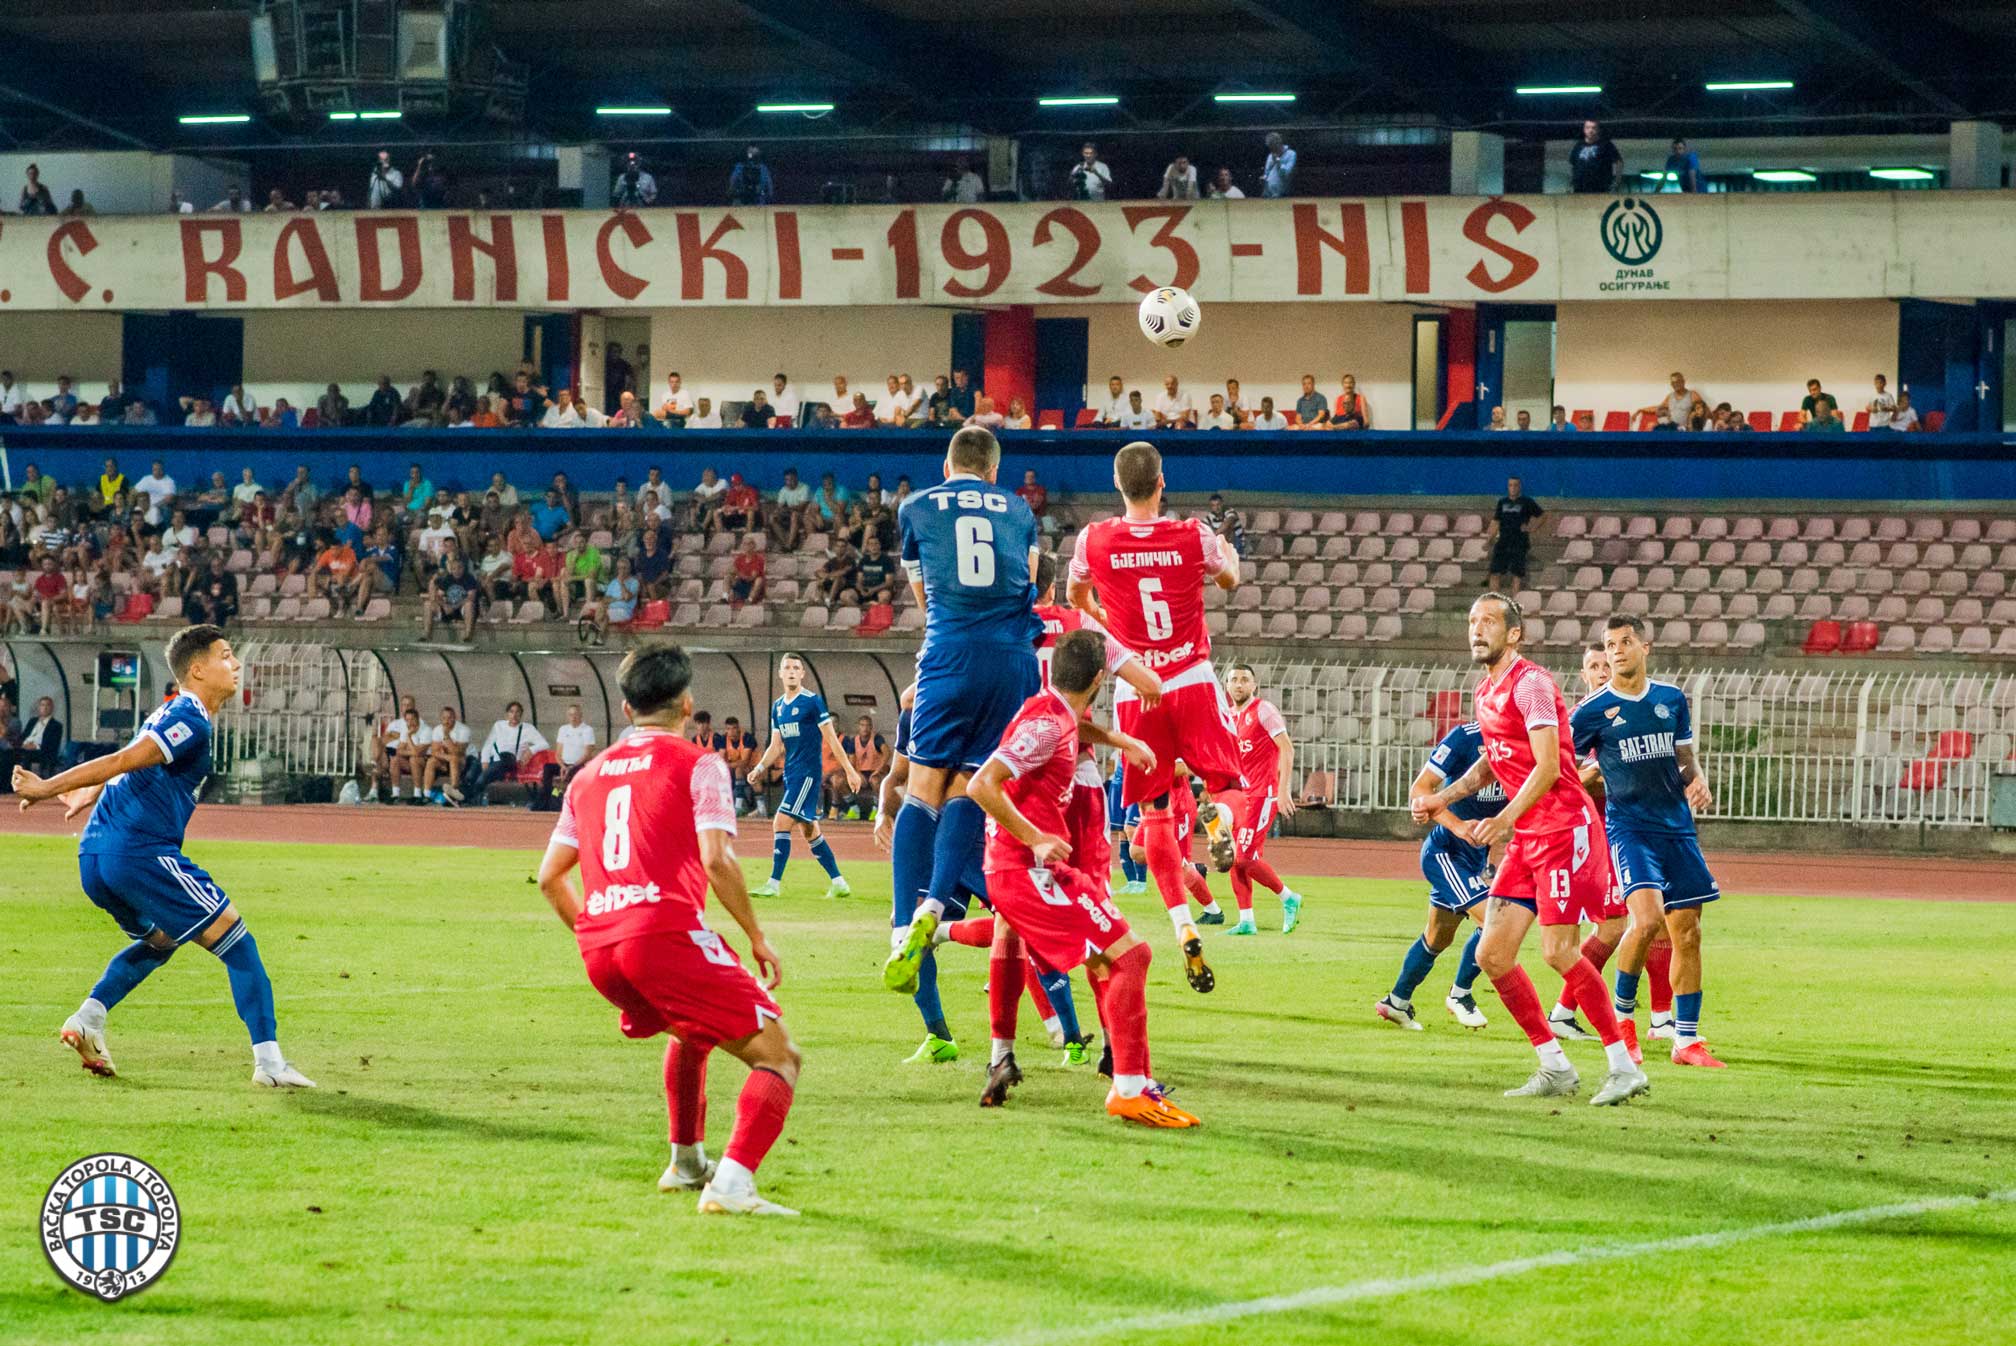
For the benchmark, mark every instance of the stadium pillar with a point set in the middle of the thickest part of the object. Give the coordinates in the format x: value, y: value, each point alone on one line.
x: 1974, y: 157
x: 1009, y: 366
x: 1476, y: 164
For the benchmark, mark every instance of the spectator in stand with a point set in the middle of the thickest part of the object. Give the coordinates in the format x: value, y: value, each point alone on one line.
x: 40, y: 747
x: 817, y: 416
x: 64, y: 403
x: 573, y: 745
x: 451, y: 597
x: 582, y: 568
x: 239, y: 408
x: 654, y: 566
x: 704, y: 416
x: 332, y: 408
x: 1683, y: 166
x: 1268, y: 418
x: 891, y: 410
x: 629, y: 413
x: 235, y: 202
x: 335, y: 565
x: 301, y: 494
x: 962, y: 393
x: 705, y: 498
x: 78, y: 205
x: 739, y: 507
x: 550, y: 516
x: 527, y: 403
x: 1353, y: 411
x: 112, y: 406
x: 198, y: 413
x: 1558, y: 421
x: 417, y: 493
x: 568, y: 413
x: 634, y: 187
x: 245, y: 494
x: 677, y: 404
x: 738, y: 750
x: 387, y: 186
x: 859, y: 416
x: 1179, y: 180
x: 213, y: 502
x: 447, y: 745
x: 963, y: 185
x: 1882, y: 405
x: 750, y: 583
x: 157, y: 488
x: 1222, y: 187
x: 378, y: 568
x: 1226, y: 522
x: 1136, y: 416
x: 1216, y: 417
x: 212, y: 596
x: 1018, y: 415
x: 139, y: 412
x: 1277, y: 175
x: 836, y: 574
x: 831, y: 501
x: 1826, y: 416
x: 12, y: 398
x: 749, y: 181
x: 1175, y: 409
x: 1594, y: 165
x: 1904, y: 418
x: 1510, y: 518
x: 791, y: 514
x: 35, y: 197
x: 1108, y: 414
x: 1525, y: 421
x: 913, y: 397
x: 383, y: 408
x: 494, y: 572
x: 869, y: 752
x: 1090, y: 179
x: 1235, y: 402
x: 424, y: 401
x: 985, y: 414
x: 875, y: 575
x: 1311, y: 411
x: 1498, y: 421
x: 86, y: 414
x: 538, y: 571
x: 1037, y: 496
x: 50, y: 591
x: 395, y: 751
x: 756, y: 412
x: 509, y: 742
x: 1680, y: 404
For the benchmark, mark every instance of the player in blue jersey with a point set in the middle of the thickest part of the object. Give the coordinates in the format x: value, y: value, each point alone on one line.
x: 131, y: 861
x: 1459, y: 879
x: 1125, y: 819
x: 1642, y: 735
x: 969, y: 548
x: 800, y: 729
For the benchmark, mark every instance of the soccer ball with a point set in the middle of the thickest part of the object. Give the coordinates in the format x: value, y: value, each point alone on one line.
x: 1169, y: 316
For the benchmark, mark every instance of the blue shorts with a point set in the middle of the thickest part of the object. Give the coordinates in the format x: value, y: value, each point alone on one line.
x: 1457, y: 874
x: 972, y: 884
x: 800, y: 799
x: 144, y: 893
x: 966, y: 695
x: 1130, y: 819
x: 1672, y: 864
x: 1114, y: 810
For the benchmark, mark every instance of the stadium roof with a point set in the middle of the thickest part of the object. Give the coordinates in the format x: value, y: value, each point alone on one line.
x: 118, y: 72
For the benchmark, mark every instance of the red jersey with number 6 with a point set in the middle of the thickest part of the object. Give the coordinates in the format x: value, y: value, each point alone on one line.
x: 1150, y: 574
x: 1524, y: 698
x: 635, y: 814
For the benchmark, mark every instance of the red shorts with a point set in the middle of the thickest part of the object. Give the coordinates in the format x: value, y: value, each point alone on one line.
x: 1088, y: 832
x: 1251, y: 840
x: 686, y: 983
x: 1192, y: 722
x: 1062, y: 913
x: 1565, y: 874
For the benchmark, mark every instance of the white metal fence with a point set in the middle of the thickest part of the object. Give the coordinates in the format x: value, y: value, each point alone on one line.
x: 299, y: 708
x: 1903, y: 747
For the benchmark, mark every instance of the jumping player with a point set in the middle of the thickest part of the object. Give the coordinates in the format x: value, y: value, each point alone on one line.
x: 1556, y: 869
x: 1065, y: 916
x: 1459, y: 879
x: 1642, y: 734
x: 1142, y: 577
x: 800, y: 725
x: 131, y: 863
x: 1267, y: 756
x: 649, y: 821
x: 969, y: 548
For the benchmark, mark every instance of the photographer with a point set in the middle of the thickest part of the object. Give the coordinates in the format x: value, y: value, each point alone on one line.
x: 633, y: 186
x: 387, y: 183
x: 749, y: 181
x: 1091, y: 180
x: 430, y: 184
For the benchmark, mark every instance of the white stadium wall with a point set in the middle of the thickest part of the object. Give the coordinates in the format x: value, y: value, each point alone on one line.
x: 296, y: 354
x: 1756, y: 356
x: 724, y: 354
x: 38, y: 346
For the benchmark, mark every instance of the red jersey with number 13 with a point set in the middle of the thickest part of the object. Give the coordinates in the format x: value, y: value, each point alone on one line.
x: 1150, y: 574
x: 635, y: 814
x: 1524, y: 697
x: 1254, y: 725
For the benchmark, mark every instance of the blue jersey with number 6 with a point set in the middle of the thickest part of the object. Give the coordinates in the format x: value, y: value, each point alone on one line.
x: 968, y: 542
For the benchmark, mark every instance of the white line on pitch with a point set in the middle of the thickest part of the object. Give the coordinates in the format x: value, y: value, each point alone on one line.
x: 1324, y: 1296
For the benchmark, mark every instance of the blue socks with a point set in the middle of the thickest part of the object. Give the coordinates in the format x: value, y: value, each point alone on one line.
x: 780, y: 855
x: 929, y: 1007
x: 1413, y: 969
x: 1132, y: 872
x: 961, y: 826
x: 128, y: 968
x: 1627, y: 993
x: 1057, y: 985
x: 823, y: 853
x: 1687, y: 1016
x: 1466, y: 966
x: 910, y: 848
x: 251, y: 992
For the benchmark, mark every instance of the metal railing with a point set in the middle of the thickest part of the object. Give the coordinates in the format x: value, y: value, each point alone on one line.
x: 300, y: 709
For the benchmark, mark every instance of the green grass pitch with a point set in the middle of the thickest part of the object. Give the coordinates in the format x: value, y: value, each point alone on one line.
x: 478, y: 1164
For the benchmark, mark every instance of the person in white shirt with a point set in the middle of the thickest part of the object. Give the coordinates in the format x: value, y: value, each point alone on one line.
x: 892, y: 410
x: 10, y: 394
x: 783, y: 400
x: 1216, y: 417
x: 239, y: 407
x: 398, y: 750
x: 1903, y: 418
x: 158, y: 560
x: 1882, y: 406
x: 159, y: 488
x: 511, y: 741
x: 386, y: 183
x: 1179, y: 181
x: 1269, y: 419
x: 678, y: 403
x: 573, y: 742
x: 246, y: 491
x: 704, y: 416
x: 1136, y: 417
x: 1174, y: 409
x: 1222, y: 188
x: 569, y: 412
x: 1115, y: 406
x: 235, y: 201
x: 1091, y: 180
x: 963, y: 185
x: 447, y: 745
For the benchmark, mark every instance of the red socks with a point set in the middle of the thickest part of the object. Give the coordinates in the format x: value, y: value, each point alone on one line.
x: 1587, y: 985
x: 1659, y: 972
x: 1005, y: 969
x: 976, y: 933
x: 1196, y: 885
x: 1598, y: 953
x: 1165, y: 862
x: 686, y: 1090
x: 759, y: 1117
x: 1522, y: 1002
x: 1123, y: 1009
x: 1246, y: 873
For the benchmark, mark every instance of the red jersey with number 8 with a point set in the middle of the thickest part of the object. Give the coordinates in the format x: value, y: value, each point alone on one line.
x: 1522, y: 698
x: 1150, y: 574
x: 635, y: 814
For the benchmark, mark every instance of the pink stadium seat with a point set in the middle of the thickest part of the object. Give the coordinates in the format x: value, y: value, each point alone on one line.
x: 1712, y: 636
x: 1789, y: 420
x: 1936, y: 640
x: 1898, y: 640
x: 1052, y: 419
x: 1748, y: 636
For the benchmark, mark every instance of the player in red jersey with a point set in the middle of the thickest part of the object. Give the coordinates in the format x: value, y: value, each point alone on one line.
x: 1067, y: 917
x: 1142, y: 577
x: 1557, y: 862
x: 649, y: 821
x: 1267, y: 755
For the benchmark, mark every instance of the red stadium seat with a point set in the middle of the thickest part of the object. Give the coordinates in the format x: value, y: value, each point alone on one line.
x: 1861, y: 637
x: 1935, y: 421
x: 1446, y: 709
x: 1788, y: 420
x: 653, y: 614
x: 1922, y: 776
x: 1953, y: 745
x: 311, y: 418
x: 1575, y: 418
x: 1760, y: 420
x: 1050, y: 420
x: 1085, y: 417
x: 532, y: 766
x: 1614, y: 421
x: 875, y: 619
x: 780, y: 422
x: 1861, y: 421
x: 1823, y: 637
x: 1646, y: 420
x: 1292, y: 419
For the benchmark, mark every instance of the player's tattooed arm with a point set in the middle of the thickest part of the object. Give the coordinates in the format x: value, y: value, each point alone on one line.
x: 985, y: 790
x: 724, y: 874
x: 1546, y: 742
x: 1431, y: 806
x: 142, y: 752
x: 1138, y: 754
x: 1425, y: 806
x: 1699, y: 796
